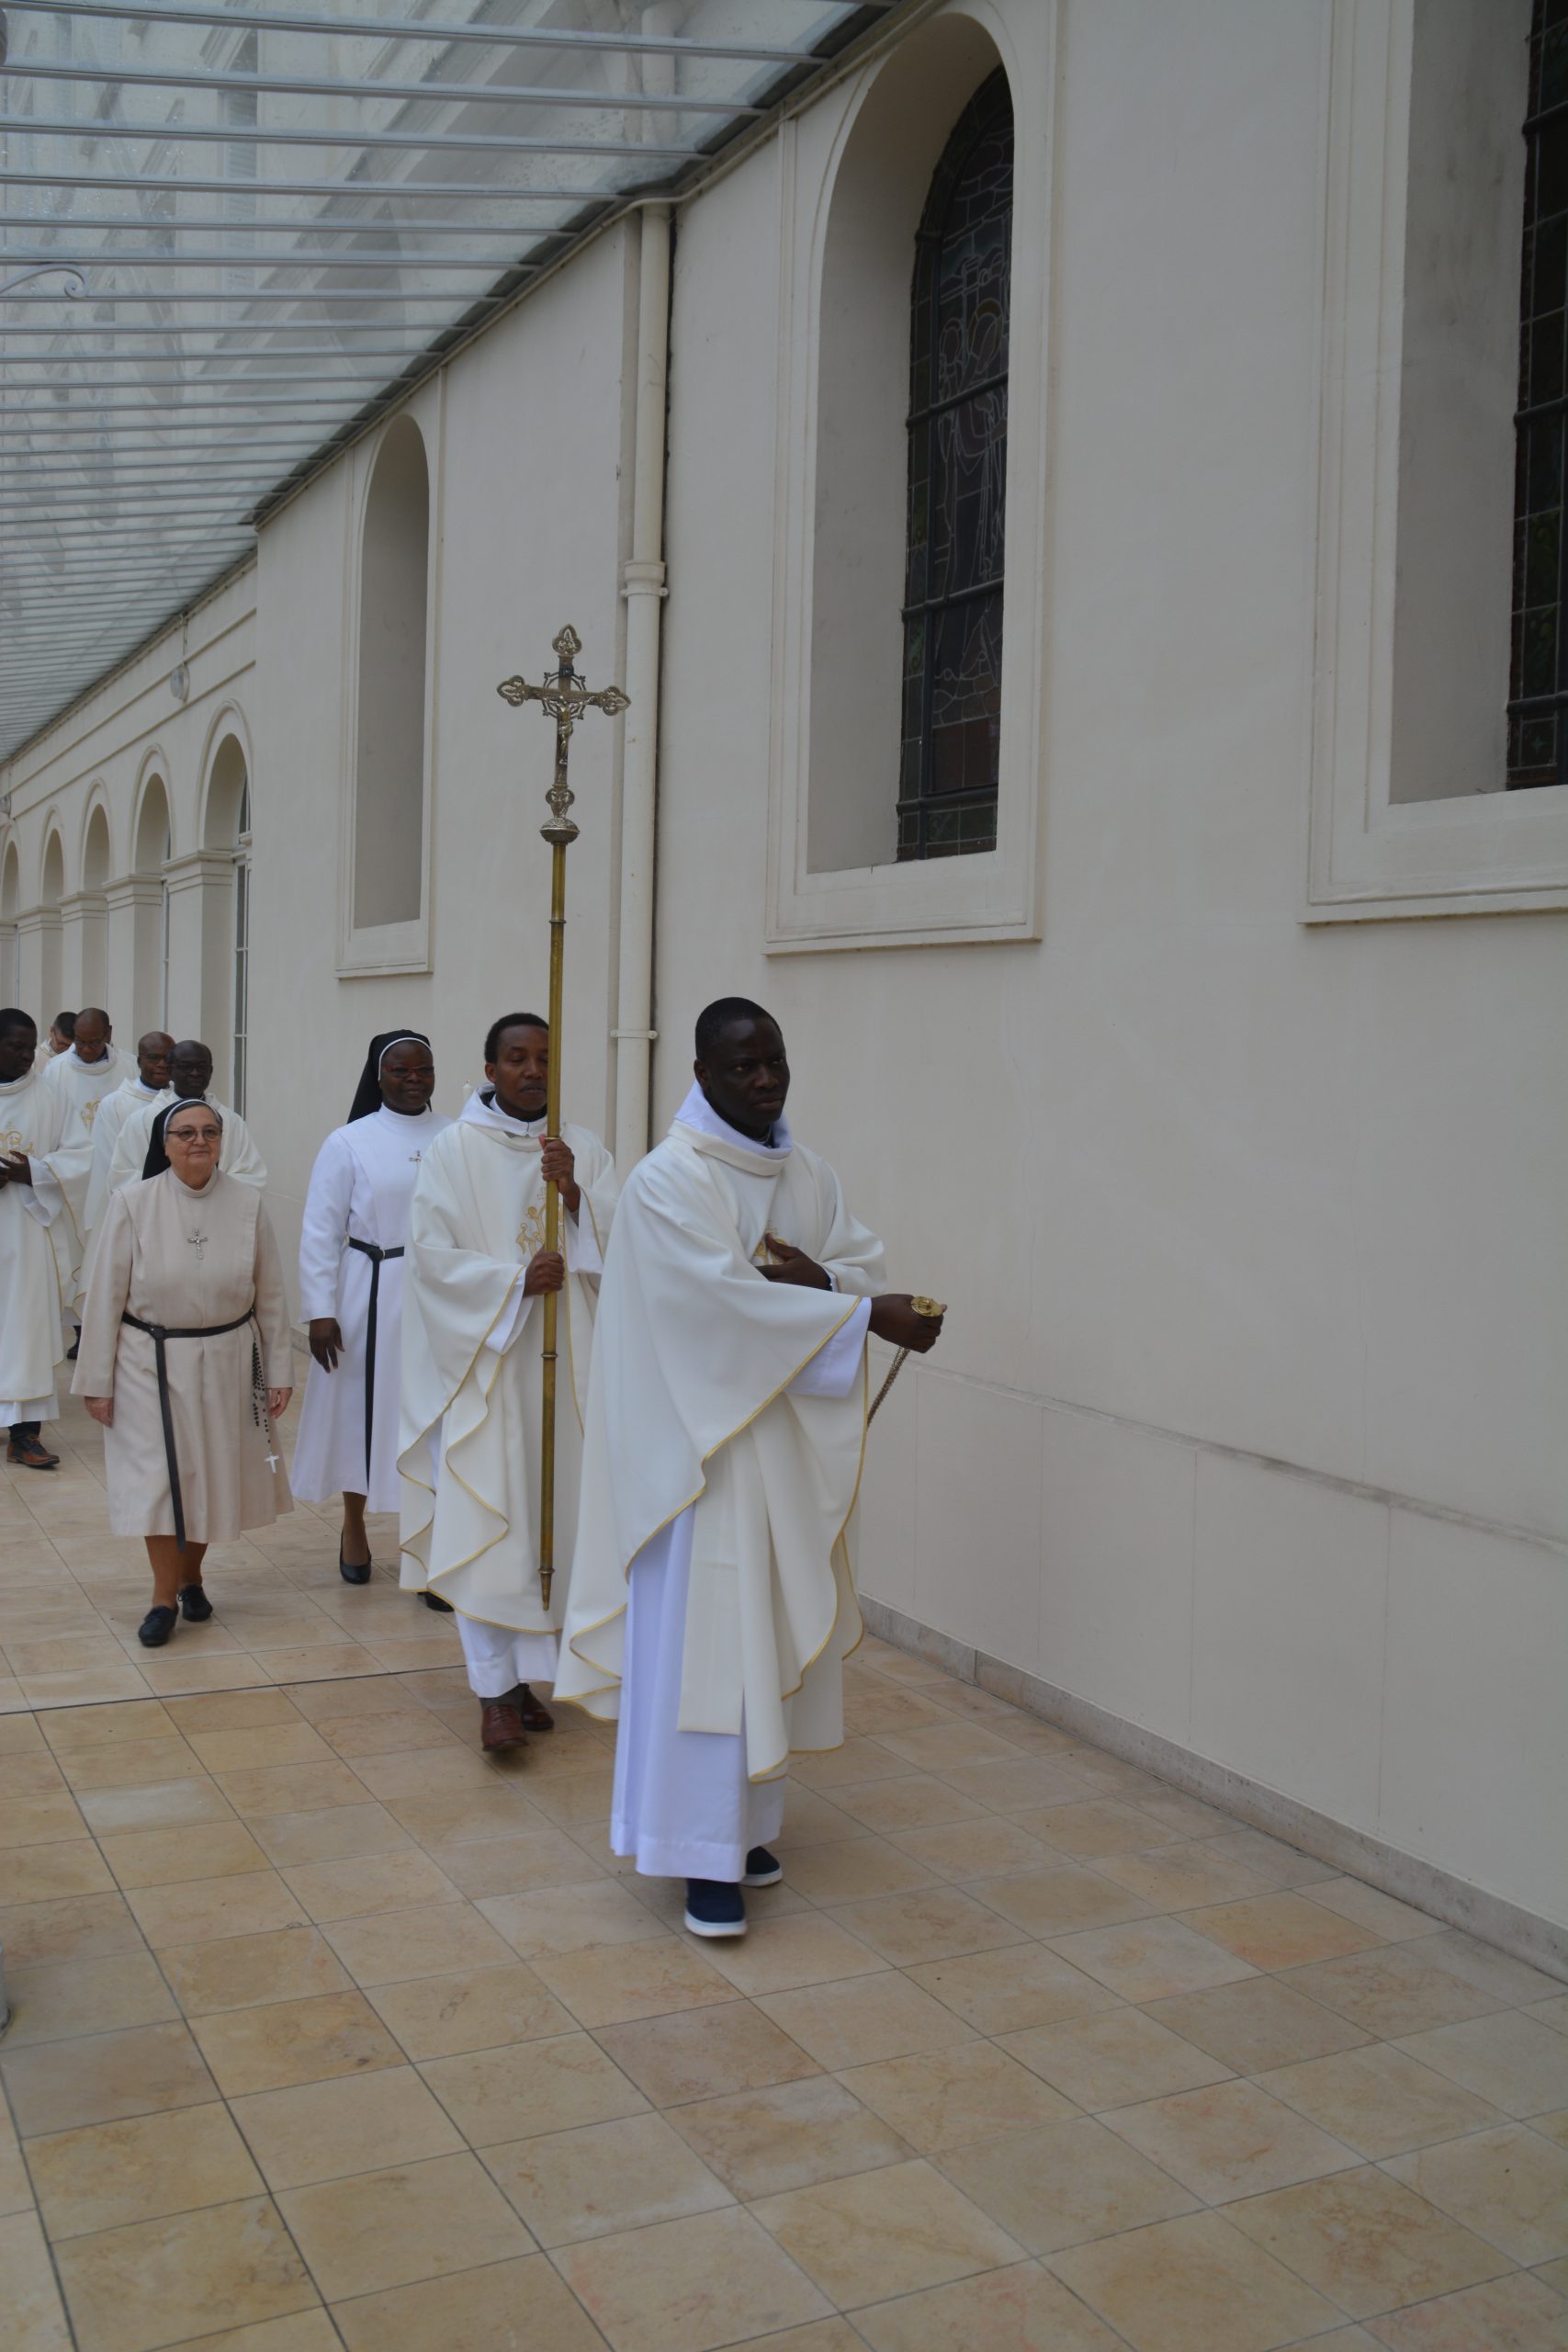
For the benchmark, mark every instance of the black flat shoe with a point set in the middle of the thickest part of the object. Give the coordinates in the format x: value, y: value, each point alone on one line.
x: 156, y: 1627
x: 434, y: 1601
x: 194, y: 1607
x: 353, y: 1576
x: 763, y: 1869
x: 715, y: 1908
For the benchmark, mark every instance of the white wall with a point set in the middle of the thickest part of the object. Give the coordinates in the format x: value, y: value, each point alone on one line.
x: 1196, y: 1180
x: 1248, y: 1422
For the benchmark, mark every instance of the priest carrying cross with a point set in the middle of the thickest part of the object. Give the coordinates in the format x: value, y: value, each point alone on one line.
x: 711, y: 1603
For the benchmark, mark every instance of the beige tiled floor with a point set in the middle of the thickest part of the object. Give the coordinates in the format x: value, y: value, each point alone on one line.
x: 330, y: 2032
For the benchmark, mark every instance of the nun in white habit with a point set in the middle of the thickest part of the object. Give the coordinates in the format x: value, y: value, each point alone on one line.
x: 351, y: 1289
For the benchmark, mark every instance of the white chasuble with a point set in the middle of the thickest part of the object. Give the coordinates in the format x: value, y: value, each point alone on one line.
x: 112, y: 1115
x: 187, y: 1259
x: 84, y: 1088
x: 473, y: 1366
x: 360, y: 1189
x: 38, y: 1245
x: 694, y: 1401
x: 236, y: 1155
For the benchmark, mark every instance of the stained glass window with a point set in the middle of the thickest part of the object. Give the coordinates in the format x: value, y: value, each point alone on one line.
x: 1538, y: 703
x: 957, y: 426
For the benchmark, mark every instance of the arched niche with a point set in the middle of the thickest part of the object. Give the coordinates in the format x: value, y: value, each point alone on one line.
x: 226, y: 908
x: 98, y: 854
x: 10, y: 904
x: 51, y: 890
x: 225, y: 816
x: 874, y: 204
x: 154, y: 839
x: 389, y: 734
x: 152, y: 845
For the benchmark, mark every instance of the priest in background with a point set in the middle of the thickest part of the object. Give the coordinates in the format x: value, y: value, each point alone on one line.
x: 351, y: 1289
x: 38, y: 1242
x: 190, y: 1079
x: 711, y: 1603
x: 148, y: 1081
x: 476, y: 1270
x: 62, y: 1030
x: 85, y: 1076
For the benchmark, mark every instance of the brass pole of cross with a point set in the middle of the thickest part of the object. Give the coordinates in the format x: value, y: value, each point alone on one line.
x: 564, y: 698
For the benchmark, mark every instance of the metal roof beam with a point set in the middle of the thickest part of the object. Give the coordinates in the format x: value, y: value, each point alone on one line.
x: 102, y: 258
x: 314, y: 226
x: 178, y: 134
x: 468, y: 191
x: 400, y: 29
x: 305, y: 86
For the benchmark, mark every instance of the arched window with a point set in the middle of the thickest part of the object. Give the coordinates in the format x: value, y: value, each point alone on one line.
x: 389, y: 828
x: 957, y: 486
x: 1537, y: 690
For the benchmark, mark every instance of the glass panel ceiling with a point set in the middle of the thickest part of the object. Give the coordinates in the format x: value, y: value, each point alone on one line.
x: 227, y: 231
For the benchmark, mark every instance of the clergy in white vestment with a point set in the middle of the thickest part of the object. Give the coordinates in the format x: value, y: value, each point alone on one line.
x: 712, y: 1604
x: 37, y: 1243
x: 85, y: 1076
x: 146, y: 1086
x: 476, y: 1271
x: 62, y: 1030
x: 351, y: 1289
x: 186, y: 1361
x: 190, y: 1079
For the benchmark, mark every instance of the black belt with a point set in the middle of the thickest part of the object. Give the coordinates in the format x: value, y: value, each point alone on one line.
x: 160, y: 1334
x: 376, y: 1256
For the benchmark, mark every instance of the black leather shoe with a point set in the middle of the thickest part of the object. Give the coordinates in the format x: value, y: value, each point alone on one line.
x: 194, y: 1607
x: 434, y: 1601
x: 351, y: 1575
x: 715, y: 1908
x: 763, y: 1869
x: 156, y: 1627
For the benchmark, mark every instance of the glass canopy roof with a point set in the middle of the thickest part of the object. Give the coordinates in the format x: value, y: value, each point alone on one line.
x: 228, y: 233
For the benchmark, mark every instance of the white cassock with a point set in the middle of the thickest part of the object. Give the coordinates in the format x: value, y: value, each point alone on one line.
x: 38, y: 1245
x: 236, y: 1155
x: 112, y: 1115
x: 712, y: 1605
x: 359, y: 1193
x: 473, y: 1382
x: 84, y: 1088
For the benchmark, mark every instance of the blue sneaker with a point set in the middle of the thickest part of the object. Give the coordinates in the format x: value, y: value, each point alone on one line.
x: 763, y: 1869
x: 714, y: 1907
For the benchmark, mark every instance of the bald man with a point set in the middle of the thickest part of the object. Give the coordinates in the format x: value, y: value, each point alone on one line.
x: 148, y: 1079
x: 91, y: 1068
x: 190, y: 1080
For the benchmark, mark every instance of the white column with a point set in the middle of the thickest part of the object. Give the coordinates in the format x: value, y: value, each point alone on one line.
x: 83, y: 917
x: 37, y: 942
x: 201, y: 953
x: 132, y: 955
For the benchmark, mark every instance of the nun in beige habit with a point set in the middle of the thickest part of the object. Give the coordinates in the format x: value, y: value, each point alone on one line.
x: 184, y: 1360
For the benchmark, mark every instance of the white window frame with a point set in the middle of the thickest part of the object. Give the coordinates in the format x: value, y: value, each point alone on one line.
x: 1367, y: 857
x: 365, y: 950
x: 989, y: 895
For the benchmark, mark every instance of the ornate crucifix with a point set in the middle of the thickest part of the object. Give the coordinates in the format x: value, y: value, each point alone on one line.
x: 563, y: 696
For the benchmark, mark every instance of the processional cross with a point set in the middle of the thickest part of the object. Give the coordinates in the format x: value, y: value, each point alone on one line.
x: 565, y: 697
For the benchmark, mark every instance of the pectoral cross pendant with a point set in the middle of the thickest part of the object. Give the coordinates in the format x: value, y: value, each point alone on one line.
x: 199, y: 1243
